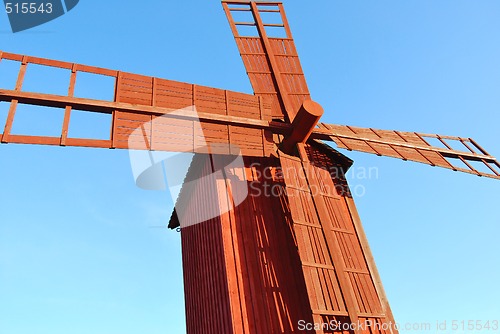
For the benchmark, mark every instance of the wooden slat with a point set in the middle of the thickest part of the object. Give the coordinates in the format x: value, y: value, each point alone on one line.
x: 14, y: 102
x: 35, y: 140
x: 11, y: 56
x: 96, y: 70
x: 67, y: 111
x: 49, y: 62
x: 97, y: 143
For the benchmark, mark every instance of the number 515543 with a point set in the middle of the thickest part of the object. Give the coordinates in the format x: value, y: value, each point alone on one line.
x: 28, y: 8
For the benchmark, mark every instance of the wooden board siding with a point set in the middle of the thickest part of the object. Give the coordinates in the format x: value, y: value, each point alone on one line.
x: 293, y: 255
x: 169, y: 134
x: 244, y: 261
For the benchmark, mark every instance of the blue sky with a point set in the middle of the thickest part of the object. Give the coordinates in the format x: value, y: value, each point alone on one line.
x: 77, y: 254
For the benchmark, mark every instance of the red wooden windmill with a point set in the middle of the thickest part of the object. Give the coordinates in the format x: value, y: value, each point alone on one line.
x: 266, y: 263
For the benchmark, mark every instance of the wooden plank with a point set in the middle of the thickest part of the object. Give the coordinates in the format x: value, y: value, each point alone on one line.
x: 67, y: 111
x: 14, y: 102
x: 12, y: 56
x: 96, y: 143
x: 96, y: 70
x: 49, y: 62
x: 330, y: 312
x: 36, y: 140
x: 129, y: 89
x: 261, y: 316
x: 10, y: 119
x: 239, y: 308
x: 245, y: 274
x: 108, y: 107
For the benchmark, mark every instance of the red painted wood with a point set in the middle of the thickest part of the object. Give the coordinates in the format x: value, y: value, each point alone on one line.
x: 278, y: 258
x: 278, y: 263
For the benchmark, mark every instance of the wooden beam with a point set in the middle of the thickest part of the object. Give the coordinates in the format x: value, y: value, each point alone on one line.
x: 14, y: 102
x: 67, y: 111
x: 108, y: 107
x: 281, y: 87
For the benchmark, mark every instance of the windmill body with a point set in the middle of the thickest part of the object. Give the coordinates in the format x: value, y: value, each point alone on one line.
x: 275, y: 260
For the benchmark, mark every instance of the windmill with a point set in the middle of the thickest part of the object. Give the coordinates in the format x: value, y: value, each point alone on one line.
x: 281, y: 98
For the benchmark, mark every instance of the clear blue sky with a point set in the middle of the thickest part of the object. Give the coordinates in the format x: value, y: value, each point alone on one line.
x: 77, y: 254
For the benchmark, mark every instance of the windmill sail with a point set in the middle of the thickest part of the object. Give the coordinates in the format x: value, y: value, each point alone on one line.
x: 456, y: 153
x: 340, y: 276
x: 147, y: 113
x: 266, y: 45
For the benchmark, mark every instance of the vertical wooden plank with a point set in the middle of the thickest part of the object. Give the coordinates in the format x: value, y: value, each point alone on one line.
x: 154, y: 84
x: 153, y: 98
x: 249, y: 234
x: 246, y: 286
x: 265, y: 150
x: 153, y: 103
x: 284, y: 20
x: 225, y: 273
x: 193, y: 88
x: 114, y: 122
x: 196, y: 124
x: 204, y: 252
x: 280, y: 251
x: 13, y: 103
x: 1, y: 134
x: 230, y: 19
x: 231, y: 150
x: 234, y: 276
x: 283, y: 93
x: 113, y: 128
x: 67, y: 111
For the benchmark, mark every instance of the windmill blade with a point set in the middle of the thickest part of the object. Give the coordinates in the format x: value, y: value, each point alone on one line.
x: 268, y: 51
x: 456, y: 153
x: 147, y: 113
